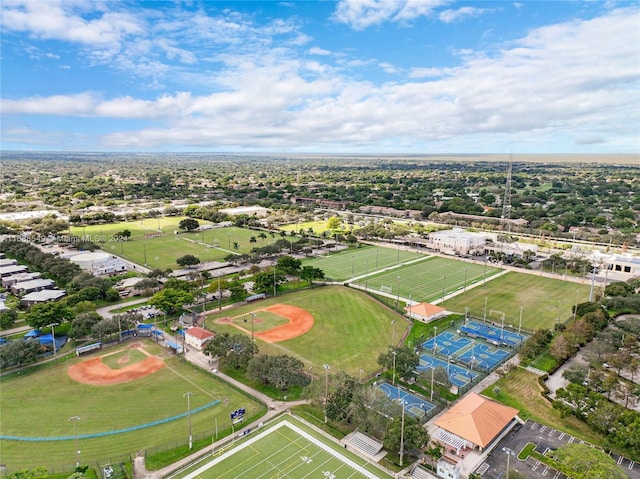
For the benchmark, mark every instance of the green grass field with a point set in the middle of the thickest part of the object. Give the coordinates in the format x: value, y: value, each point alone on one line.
x: 162, y: 251
x: 427, y: 280
x: 286, y: 449
x: 318, y: 227
x: 41, y: 403
x: 349, y: 333
x: 360, y: 261
x: 543, y: 300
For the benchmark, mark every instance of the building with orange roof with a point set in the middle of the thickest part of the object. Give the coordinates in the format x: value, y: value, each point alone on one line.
x: 197, y: 336
x: 472, y: 423
x: 425, y: 312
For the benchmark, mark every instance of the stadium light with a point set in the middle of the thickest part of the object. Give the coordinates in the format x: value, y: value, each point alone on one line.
x: 509, y: 453
x: 520, y: 322
x: 444, y: 283
x: 74, y: 420
x: 188, y: 396
x: 402, y: 436
x: 326, y: 389
x: 393, y: 381
x: 53, y: 337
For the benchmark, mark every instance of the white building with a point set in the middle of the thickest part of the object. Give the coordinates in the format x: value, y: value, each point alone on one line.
x: 197, y: 336
x: 43, y: 296
x: 457, y: 241
x: 246, y: 210
x: 98, y: 263
x: 32, y: 285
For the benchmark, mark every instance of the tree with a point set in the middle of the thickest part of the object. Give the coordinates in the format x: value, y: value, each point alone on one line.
x: 233, y: 351
x: 18, y: 353
x: 41, y: 315
x: 405, y: 360
x: 309, y: 273
x: 561, y: 347
x: 189, y: 224
x: 288, y: 265
x: 340, y: 399
x: 265, y: 281
x: 333, y: 223
x: 188, y: 260
x: 236, y: 288
x: 415, y: 436
x: 280, y: 372
x: 82, y: 324
x: 7, y: 318
x: 171, y: 300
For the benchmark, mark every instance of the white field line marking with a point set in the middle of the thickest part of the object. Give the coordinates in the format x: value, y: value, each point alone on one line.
x: 309, y: 437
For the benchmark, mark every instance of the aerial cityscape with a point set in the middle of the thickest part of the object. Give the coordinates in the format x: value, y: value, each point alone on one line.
x: 350, y: 239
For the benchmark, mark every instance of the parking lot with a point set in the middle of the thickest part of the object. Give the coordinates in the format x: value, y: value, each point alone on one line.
x: 545, y: 438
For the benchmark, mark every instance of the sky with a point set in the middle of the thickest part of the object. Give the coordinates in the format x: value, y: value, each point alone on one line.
x: 321, y: 77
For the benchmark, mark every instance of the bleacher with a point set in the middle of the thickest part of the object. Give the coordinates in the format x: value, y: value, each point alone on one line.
x: 420, y: 473
x: 366, y: 444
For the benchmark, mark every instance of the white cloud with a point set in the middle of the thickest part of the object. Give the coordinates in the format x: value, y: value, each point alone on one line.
x: 318, y: 51
x: 362, y: 14
x: 577, y: 80
x: 450, y: 16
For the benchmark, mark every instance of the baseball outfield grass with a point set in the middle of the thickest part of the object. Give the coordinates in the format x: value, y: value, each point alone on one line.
x: 40, y: 405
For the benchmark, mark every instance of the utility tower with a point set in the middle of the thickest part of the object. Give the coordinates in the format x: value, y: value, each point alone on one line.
x: 506, y: 203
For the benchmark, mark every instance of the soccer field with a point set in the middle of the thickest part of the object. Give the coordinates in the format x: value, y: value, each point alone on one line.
x: 428, y: 280
x: 289, y: 449
x: 360, y: 261
x: 161, y: 251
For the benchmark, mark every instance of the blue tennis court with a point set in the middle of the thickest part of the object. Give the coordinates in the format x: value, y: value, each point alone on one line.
x: 458, y: 375
x: 493, y: 334
x: 485, y: 356
x: 413, y: 405
x: 446, y: 343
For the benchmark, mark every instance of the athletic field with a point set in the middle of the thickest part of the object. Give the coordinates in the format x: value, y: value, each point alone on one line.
x: 544, y: 301
x: 287, y: 449
x: 37, y: 407
x: 361, y: 261
x: 350, y: 329
x: 428, y: 280
x: 154, y: 242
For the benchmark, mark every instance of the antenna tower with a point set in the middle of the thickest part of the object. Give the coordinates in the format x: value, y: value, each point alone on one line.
x: 506, y: 203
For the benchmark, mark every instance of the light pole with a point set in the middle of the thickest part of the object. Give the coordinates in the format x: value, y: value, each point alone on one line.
x: 326, y: 389
x: 432, y: 370
x: 465, y: 280
x: 575, y: 309
x: 509, y: 453
x: 502, y: 328
x: 435, y: 332
x: 188, y: 396
x: 520, y: 321
x: 352, y: 266
x: 398, y: 292
x: 484, y: 317
x: 74, y: 420
x: 393, y: 332
x: 402, y: 435
x: 444, y: 283
x: 393, y: 377
x: 53, y: 337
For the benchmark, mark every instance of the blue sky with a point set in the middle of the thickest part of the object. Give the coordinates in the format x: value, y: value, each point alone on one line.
x: 351, y: 76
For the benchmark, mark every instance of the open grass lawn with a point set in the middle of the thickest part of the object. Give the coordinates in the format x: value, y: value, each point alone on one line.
x: 318, y: 227
x: 287, y: 448
x: 520, y: 389
x: 40, y: 405
x: 429, y: 279
x: 360, y: 261
x: 544, y: 300
x: 349, y: 333
x: 162, y: 251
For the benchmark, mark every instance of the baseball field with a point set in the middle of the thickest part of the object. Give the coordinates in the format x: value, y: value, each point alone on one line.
x: 332, y: 325
x: 126, y: 398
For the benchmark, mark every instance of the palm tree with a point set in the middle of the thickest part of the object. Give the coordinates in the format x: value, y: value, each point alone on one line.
x: 235, y: 245
x: 252, y: 239
x: 262, y: 236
